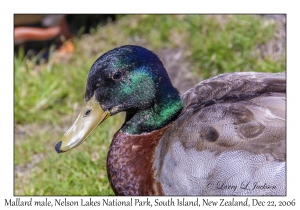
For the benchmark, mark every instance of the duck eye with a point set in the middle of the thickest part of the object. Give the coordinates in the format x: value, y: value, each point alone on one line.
x: 87, y: 112
x: 117, y: 75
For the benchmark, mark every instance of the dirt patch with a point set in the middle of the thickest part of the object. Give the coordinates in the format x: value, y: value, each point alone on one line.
x: 178, y: 69
x: 276, y: 47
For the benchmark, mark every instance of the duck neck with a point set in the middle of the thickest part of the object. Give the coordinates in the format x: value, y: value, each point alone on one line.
x: 165, y: 109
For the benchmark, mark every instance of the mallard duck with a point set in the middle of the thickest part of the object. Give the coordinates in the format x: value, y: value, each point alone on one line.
x: 225, y: 136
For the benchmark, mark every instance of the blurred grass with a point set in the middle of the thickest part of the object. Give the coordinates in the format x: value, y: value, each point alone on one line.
x: 215, y: 44
x: 49, y: 95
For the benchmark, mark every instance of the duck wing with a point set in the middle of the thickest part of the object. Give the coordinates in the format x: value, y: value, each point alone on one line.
x: 229, y: 138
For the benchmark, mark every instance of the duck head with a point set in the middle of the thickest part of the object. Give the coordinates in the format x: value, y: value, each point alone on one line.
x: 131, y: 79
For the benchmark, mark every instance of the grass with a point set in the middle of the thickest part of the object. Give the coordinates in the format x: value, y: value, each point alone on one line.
x: 48, y: 96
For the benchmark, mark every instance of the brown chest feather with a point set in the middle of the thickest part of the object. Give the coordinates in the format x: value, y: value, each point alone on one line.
x: 130, y: 163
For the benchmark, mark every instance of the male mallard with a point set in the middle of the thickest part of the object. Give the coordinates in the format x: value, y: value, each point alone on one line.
x: 226, y: 136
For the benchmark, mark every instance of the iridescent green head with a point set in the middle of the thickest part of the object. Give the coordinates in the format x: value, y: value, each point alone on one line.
x: 134, y: 80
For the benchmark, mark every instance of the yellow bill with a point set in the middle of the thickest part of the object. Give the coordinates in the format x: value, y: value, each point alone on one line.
x: 90, y: 116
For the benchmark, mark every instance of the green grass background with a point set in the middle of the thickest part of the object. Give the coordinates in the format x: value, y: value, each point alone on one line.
x: 48, y: 95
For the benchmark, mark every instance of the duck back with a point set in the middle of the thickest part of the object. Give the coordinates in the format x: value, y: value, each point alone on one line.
x: 228, y: 140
